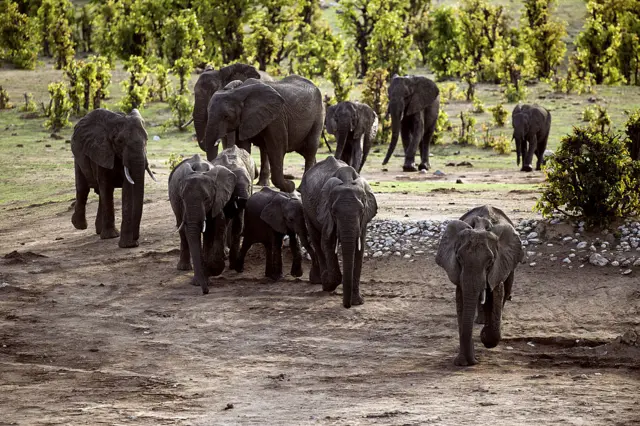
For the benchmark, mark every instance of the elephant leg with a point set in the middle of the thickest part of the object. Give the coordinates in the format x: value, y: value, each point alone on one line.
x: 276, y: 257
x: 366, y: 146
x: 317, y: 258
x: 429, y: 130
x: 530, y: 151
x: 184, y: 264
x: 480, y: 313
x: 417, y: 132
x: 296, y: 254
x: 79, y: 218
x: 265, y: 169
x: 268, y: 253
x: 234, y: 239
x: 508, y: 284
x: 214, y: 242
x: 106, y: 206
x: 246, y: 245
x: 490, y: 334
x: 331, y: 275
x: 276, y: 149
x: 98, y: 221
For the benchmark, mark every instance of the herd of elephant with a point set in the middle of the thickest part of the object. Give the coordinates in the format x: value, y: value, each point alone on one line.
x: 219, y: 216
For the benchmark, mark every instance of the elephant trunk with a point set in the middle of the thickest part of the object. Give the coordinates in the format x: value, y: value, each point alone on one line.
x: 341, y: 140
x: 490, y: 334
x: 132, y: 202
x: 396, y: 121
x: 469, y: 305
x: 200, y: 119
x: 212, y: 135
x: 348, y: 236
x: 193, y: 231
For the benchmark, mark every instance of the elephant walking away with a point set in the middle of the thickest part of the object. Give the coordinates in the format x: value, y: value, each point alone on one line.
x: 269, y: 216
x: 198, y: 192
x: 243, y: 167
x: 414, y: 104
x: 109, y: 151
x: 278, y: 117
x: 531, y: 127
x: 480, y: 253
x: 211, y: 81
x: 338, y: 204
x: 355, y: 126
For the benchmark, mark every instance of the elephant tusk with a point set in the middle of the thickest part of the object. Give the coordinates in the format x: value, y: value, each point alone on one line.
x: 484, y: 296
x: 184, y: 126
x: 204, y: 226
x: 151, y: 174
x: 359, y: 245
x: 217, y: 142
x: 180, y: 227
x: 336, y: 247
x: 128, y: 176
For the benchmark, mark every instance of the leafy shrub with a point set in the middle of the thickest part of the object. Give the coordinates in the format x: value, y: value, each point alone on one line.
x: 183, y: 68
x: 342, y: 83
x: 442, y: 124
x: 181, y: 109
x: 173, y: 160
x: 88, y: 78
x: 602, y: 120
x: 514, y: 93
x: 591, y: 177
x: 450, y: 92
x: 499, y: 113
x: 4, y: 99
x: 478, y: 106
x: 501, y: 144
x: 467, y: 129
x: 375, y: 95
x: 136, y: 91
x: 59, y: 107
x: 103, y: 79
x: 72, y: 72
x: 633, y: 134
x: 589, y: 114
x: 162, y: 84
x: 19, y: 38
x: 29, y: 104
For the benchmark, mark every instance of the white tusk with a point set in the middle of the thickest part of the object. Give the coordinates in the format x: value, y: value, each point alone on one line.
x: 217, y: 142
x: 128, y: 176
x: 484, y: 296
x: 180, y: 227
x: 204, y: 226
x: 336, y: 247
x: 151, y: 174
x: 359, y: 244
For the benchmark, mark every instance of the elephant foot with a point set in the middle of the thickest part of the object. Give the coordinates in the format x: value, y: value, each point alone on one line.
x: 424, y: 166
x: 263, y: 181
x: 357, y: 299
x: 79, y: 221
x: 411, y: 168
x: 526, y: 169
x: 314, y: 276
x: 275, y: 277
x: 109, y: 233
x: 296, y: 271
x: 488, y: 338
x: 461, y: 361
x: 215, y: 269
x: 480, y: 318
x: 184, y: 265
x: 126, y: 243
x: 238, y: 267
x: 330, y: 283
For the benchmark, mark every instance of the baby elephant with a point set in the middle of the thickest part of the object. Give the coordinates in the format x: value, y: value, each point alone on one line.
x: 269, y: 216
x: 480, y: 253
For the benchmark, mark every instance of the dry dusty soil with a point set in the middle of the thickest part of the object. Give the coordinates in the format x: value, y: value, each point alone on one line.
x: 93, y: 334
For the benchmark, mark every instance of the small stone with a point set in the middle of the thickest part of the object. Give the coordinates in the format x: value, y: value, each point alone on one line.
x: 572, y: 255
x: 581, y: 245
x: 636, y: 263
x: 419, y: 252
x: 156, y: 138
x: 532, y: 264
x: 626, y: 272
x: 598, y: 260
x: 377, y: 254
x: 615, y: 263
x: 438, y: 173
x: 531, y: 253
x: 397, y: 253
x: 593, y: 248
x: 565, y: 239
x: 549, y: 245
x: 566, y: 260
x: 532, y: 236
x: 553, y: 258
x: 407, y: 256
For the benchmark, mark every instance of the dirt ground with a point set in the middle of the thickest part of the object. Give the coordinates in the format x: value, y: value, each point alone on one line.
x: 93, y: 334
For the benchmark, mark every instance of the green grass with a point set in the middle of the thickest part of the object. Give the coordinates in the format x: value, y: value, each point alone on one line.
x: 420, y: 187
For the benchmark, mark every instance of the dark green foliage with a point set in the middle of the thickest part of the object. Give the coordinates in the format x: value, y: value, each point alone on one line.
x: 103, y: 80
x: 632, y: 128
x: 87, y: 76
x: 499, y: 114
x: 591, y: 177
x: 342, y: 83
x: 444, y: 45
x: 72, y: 72
x: 19, y: 37
x: 375, y: 95
x: 544, y: 35
x: 467, y: 129
x: 4, y: 99
x: 135, y: 89
x: 182, y: 38
x: 29, y: 104
x: 55, y: 20
x: 180, y: 101
x: 59, y: 107
x: 162, y: 84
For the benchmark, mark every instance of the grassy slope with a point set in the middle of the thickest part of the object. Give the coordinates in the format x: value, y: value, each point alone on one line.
x: 37, y: 173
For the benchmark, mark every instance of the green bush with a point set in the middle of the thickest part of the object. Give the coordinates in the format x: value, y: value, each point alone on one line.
x: 478, y: 106
x: 589, y: 114
x: 162, y: 84
x: 136, y: 91
x: 499, y: 114
x: 173, y: 160
x: 632, y: 128
x: 467, y: 129
x: 72, y: 72
x: 375, y: 95
x: 443, y: 124
x: 501, y: 144
x: 19, y: 38
x: 103, y: 79
x: 450, y: 92
x: 4, y: 99
x: 342, y: 83
x: 29, y: 104
x: 181, y: 109
x: 59, y: 107
x: 591, y: 177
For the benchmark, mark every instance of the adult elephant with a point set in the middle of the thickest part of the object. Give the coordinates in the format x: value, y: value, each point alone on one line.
x: 278, y: 117
x: 355, y: 126
x: 199, y: 192
x: 480, y: 252
x: 414, y: 103
x: 109, y: 151
x: 338, y: 204
x: 531, y: 126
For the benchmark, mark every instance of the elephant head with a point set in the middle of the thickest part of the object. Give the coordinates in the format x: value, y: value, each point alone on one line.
x: 347, y: 205
x: 284, y: 214
x: 341, y: 119
x: 244, y: 168
x: 111, y: 139
x: 248, y: 108
x: 203, y: 196
x: 407, y: 96
x: 209, y: 82
x: 478, y: 260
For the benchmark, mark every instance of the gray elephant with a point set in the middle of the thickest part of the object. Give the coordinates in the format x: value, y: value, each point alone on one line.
x: 338, y: 204
x: 480, y: 252
x: 199, y: 192
x: 109, y: 151
x: 531, y: 126
x: 269, y: 216
x: 355, y: 126
x: 414, y: 104
x: 242, y: 165
x: 209, y: 82
x: 278, y: 117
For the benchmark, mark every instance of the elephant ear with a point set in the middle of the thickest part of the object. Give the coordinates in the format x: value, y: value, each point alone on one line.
x: 238, y: 72
x: 92, y: 136
x: 262, y: 104
x: 324, y: 207
x: 446, y: 256
x: 232, y: 85
x: 507, y: 256
x: 370, y: 205
x: 330, y: 120
x: 273, y: 215
x: 423, y: 93
x: 225, y: 183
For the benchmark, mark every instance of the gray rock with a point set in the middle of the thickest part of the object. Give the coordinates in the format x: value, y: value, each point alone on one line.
x: 598, y: 260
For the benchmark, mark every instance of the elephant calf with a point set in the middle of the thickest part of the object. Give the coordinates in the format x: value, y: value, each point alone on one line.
x: 480, y: 252
x: 531, y: 127
x: 269, y: 216
x: 198, y: 192
x: 338, y: 204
